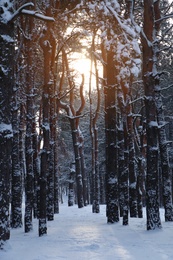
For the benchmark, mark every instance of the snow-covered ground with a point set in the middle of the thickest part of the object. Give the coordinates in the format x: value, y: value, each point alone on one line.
x: 78, y: 234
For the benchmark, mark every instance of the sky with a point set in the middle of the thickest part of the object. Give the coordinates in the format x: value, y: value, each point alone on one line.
x: 78, y: 234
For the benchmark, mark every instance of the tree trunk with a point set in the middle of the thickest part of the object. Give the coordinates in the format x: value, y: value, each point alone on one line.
x: 77, y: 163
x: 46, y: 46
x: 132, y: 168
x: 29, y: 182
x: 51, y: 175
x: 16, y: 181
x: 163, y: 146
x: 36, y: 168
x: 6, y: 87
x: 111, y: 141
x: 152, y: 185
x: 123, y: 159
x: 83, y: 170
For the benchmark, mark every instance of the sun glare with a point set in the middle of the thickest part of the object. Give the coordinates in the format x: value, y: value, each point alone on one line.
x: 82, y: 65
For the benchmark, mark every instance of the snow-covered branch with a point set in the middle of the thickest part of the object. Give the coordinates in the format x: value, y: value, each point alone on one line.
x: 125, y: 28
x: 170, y: 86
x: 76, y: 117
x: 34, y: 14
x: 37, y: 15
x: 137, y: 99
x: 168, y: 16
x: 18, y: 11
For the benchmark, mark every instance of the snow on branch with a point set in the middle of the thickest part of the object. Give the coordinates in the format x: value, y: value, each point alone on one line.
x: 6, y: 130
x: 76, y: 117
x: 170, y: 86
x: 35, y: 14
x: 125, y: 28
x: 18, y: 11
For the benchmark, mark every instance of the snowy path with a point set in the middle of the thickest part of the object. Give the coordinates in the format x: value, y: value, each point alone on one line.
x: 77, y: 234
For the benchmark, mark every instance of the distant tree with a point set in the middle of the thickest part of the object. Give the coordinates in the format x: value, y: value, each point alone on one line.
x: 94, y: 114
x: 74, y: 116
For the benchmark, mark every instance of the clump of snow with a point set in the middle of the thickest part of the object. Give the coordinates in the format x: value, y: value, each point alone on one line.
x: 4, y: 70
x: 5, y: 128
x: 5, y: 6
x: 7, y: 38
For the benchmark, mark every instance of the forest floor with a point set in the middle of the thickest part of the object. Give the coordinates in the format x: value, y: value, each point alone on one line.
x: 77, y: 234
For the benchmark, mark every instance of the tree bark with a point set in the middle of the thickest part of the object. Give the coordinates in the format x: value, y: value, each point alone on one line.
x: 152, y: 202
x: 6, y: 134
x: 16, y: 180
x: 29, y: 182
x: 163, y: 146
x: 111, y: 141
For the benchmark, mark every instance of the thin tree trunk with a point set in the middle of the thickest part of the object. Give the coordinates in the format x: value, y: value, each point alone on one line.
x: 46, y: 132
x: 84, y: 177
x: 50, y: 178
x: 56, y: 177
x: 29, y: 188
x: 16, y: 182
x: 123, y: 160
x: 132, y: 168
x: 36, y: 168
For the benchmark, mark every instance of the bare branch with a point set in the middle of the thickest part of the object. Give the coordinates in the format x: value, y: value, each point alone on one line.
x: 78, y: 112
x: 66, y: 93
x: 168, y: 16
x: 170, y: 86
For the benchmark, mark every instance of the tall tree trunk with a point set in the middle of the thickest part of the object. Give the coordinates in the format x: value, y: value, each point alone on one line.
x: 163, y: 146
x: 56, y: 176
x: 16, y: 180
x: 46, y: 46
x: 111, y: 141
x: 22, y: 144
x: 123, y: 159
x: 6, y: 87
x: 29, y: 184
x: 152, y: 202
x: 132, y: 166
x: 83, y: 169
x: 77, y: 163
x: 36, y: 168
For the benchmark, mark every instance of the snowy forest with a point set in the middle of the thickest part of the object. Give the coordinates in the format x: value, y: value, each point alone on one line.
x: 86, y: 109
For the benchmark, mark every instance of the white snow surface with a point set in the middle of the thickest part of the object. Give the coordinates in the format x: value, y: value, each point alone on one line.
x: 77, y: 234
